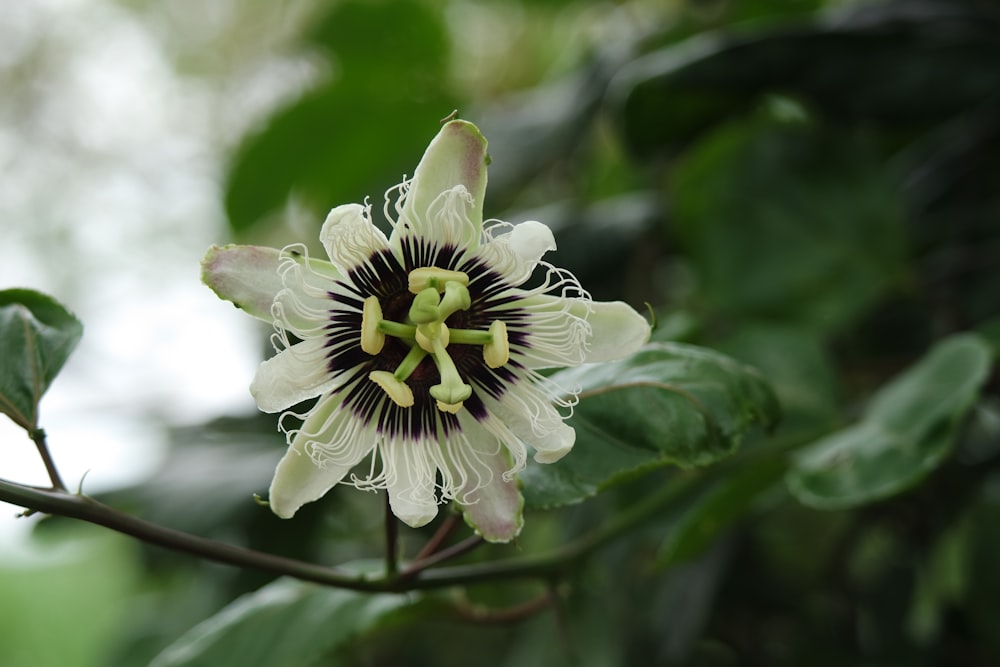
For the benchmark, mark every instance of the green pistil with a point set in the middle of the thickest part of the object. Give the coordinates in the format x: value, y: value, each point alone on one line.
x: 425, y: 307
x: 439, y: 293
x: 451, y: 391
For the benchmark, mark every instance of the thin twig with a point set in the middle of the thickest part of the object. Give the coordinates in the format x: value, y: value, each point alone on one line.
x: 391, y: 541
x: 454, y: 551
x: 38, y: 437
x: 505, y: 615
x: 438, y: 538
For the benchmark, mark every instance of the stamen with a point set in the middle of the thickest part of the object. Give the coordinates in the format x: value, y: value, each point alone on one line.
x: 409, y: 363
x: 398, y: 391
x: 496, y: 353
x: 431, y: 276
x: 397, y: 330
x: 372, y: 339
x: 470, y: 336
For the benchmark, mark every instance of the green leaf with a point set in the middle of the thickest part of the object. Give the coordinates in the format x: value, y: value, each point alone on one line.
x: 358, y: 134
x: 668, y: 403
x: 769, y: 211
x: 797, y: 366
x: 284, y: 624
x: 37, y: 335
x: 910, y: 426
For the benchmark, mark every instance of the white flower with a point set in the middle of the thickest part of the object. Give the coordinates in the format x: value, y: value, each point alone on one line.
x: 423, y: 347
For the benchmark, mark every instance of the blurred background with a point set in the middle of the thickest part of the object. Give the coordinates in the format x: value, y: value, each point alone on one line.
x: 810, y: 186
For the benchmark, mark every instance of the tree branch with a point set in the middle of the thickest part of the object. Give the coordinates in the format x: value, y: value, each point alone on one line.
x: 545, y: 566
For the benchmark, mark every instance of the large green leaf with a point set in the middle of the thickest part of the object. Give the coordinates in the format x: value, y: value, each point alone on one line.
x: 769, y: 211
x: 359, y: 133
x: 910, y: 425
x: 37, y: 335
x: 668, y: 403
x: 284, y: 624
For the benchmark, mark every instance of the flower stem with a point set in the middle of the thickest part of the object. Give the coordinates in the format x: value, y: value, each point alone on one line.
x: 438, y: 538
x: 38, y: 437
x: 391, y: 541
x: 454, y: 551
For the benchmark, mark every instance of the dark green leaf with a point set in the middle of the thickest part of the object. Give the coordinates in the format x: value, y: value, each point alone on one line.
x: 770, y: 211
x: 668, y: 403
x: 910, y: 425
x: 37, y: 335
x: 284, y: 624
x: 892, y: 64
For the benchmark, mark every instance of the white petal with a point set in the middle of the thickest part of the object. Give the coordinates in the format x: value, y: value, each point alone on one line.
x: 245, y: 275
x: 528, y: 412
x: 488, y: 494
x: 455, y: 157
x: 293, y: 375
x: 516, y: 253
x: 350, y: 238
x: 409, y: 477
x: 572, y: 331
x: 331, y: 442
x: 617, y: 331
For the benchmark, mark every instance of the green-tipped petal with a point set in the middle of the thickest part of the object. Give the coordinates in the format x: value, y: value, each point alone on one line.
x: 456, y: 157
x: 494, y: 510
x: 617, y: 331
x: 245, y: 275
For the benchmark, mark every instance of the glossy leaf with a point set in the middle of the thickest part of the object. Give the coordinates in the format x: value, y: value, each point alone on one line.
x: 37, y: 335
x: 910, y: 426
x: 667, y: 404
x: 284, y: 624
x: 769, y: 211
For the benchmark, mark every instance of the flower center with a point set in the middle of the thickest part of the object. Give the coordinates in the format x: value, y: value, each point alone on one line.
x: 438, y: 294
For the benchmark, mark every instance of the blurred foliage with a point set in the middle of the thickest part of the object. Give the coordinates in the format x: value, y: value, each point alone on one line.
x: 807, y: 187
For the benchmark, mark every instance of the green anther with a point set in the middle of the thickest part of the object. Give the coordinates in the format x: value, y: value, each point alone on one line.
x: 372, y: 338
x: 431, y: 276
x: 452, y: 390
x: 424, y: 308
x: 456, y: 297
x: 409, y: 363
